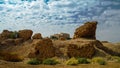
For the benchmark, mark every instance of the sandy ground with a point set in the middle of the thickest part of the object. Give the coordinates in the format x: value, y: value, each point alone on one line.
x: 5, y: 64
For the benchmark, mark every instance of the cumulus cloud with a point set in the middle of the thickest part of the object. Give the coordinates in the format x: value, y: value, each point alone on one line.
x: 110, y: 23
x: 61, y: 16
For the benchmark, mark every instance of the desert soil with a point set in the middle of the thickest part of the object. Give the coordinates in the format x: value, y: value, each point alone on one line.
x: 5, y: 64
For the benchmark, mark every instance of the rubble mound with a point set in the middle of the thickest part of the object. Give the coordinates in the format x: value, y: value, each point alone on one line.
x: 25, y: 34
x: 37, y: 36
x: 42, y: 49
x: 88, y: 30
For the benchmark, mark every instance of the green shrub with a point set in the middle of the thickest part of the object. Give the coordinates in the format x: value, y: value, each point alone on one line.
x: 99, y: 60
x: 102, y: 62
x: 109, y: 58
x: 13, y: 35
x: 72, y: 61
x: 116, y: 58
x: 83, y: 61
x: 50, y: 62
x: 34, y: 62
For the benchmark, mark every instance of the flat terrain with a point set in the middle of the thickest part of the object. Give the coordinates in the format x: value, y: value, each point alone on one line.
x: 5, y: 64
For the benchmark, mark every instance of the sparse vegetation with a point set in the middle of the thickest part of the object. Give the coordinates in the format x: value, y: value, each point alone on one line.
x: 72, y: 61
x: 102, y: 62
x: 82, y: 61
x: 14, y: 35
x: 60, y: 50
x: 99, y: 60
x: 34, y: 62
x: 50, y: 62
x: 109, y: 58
x: 116, y: 58
x: 113, y: 58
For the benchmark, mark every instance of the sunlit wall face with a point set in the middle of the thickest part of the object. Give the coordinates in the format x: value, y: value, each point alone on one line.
x: 55, y: 16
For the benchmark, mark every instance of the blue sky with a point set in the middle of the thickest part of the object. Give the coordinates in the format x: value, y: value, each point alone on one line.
x: 55, y: 16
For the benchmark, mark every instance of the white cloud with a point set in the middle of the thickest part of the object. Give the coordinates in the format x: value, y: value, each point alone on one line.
x: 61, y: 16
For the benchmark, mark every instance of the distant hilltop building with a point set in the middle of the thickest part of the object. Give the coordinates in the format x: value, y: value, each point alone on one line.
x: 60, y: 36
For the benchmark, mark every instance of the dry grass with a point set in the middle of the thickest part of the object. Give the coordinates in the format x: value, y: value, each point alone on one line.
x: 21, y: 65
x: 25, y: 48
x: 113, y: 46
